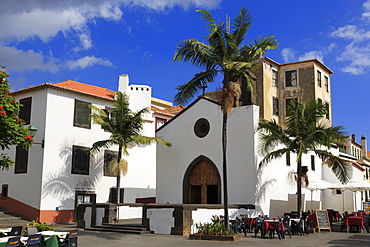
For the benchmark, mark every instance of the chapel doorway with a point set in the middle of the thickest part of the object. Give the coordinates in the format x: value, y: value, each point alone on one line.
x: 202, y: 183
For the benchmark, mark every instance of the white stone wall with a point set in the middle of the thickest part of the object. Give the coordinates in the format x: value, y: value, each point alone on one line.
x: 48, y: 183
x: 269, y: 188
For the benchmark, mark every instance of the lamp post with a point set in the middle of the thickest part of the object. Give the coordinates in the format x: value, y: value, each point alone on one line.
x: 32, y: 131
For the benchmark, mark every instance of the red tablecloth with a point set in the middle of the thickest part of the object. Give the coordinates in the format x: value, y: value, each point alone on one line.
x: 337, y: 214
x: 310, y: 217
x: 354, y: 221
x: 268, y: 224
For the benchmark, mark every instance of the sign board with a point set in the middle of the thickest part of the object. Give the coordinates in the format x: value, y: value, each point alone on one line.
x: 366, y: 206
x: 322, y: 220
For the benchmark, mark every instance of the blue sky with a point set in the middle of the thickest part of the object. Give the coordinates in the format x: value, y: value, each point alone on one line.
x: 94, y: 41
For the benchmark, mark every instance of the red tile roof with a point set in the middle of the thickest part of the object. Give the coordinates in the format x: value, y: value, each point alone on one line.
x: 85, y: 88
x: 171, y: 111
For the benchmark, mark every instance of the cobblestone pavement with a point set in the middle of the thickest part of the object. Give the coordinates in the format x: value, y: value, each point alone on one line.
x: 90, y: 238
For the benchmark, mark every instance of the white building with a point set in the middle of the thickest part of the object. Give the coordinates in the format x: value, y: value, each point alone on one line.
x: 56, y: 174
x: 191, y: 170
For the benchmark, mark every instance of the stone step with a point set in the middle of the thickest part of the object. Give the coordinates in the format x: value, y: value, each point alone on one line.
x: 120, y: 228
x: 124, y: 227
x: 10, y: 219
x: 8, y: 224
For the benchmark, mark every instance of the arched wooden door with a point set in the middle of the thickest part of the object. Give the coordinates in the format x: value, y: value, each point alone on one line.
x: 203, y: 184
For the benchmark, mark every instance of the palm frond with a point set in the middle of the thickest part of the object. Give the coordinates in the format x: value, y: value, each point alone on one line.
x: 145, y: 140
x: 188, y: 90
x: 241, y: 24
x: 259, y: 47
x: 195, y: 52
x: 97, y: 146
x: 341, y: 168
x: 272, y: 155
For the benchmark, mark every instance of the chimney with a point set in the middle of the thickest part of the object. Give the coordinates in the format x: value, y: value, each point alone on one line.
x: 123, y: 84
x: 353, y: 137
x: 364, y: 146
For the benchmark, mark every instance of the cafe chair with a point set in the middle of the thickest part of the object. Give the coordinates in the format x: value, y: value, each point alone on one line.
x: 32, y: 230
x: 13, y: 242
x: 259, y: 226
x: 275, y: 227
x: 16, y: 231
x: 287, y: 226
x: 247, y: 225
x: 71, y: 239
x: 367, y: 223
x: 34, y: 240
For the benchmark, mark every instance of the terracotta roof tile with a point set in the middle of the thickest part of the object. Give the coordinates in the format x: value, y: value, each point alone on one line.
x: 85, y: 88
x: 175, y: 109
x: 171, y: 111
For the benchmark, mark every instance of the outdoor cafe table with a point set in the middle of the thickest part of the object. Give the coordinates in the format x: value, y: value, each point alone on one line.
x: 50, y: 238
x: 354, y: 221
x: 268, y: 223
x: 4, y: 240
x: 5, y: 230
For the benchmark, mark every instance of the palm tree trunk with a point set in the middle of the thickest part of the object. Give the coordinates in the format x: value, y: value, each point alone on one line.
x: 224, y: 145
x: 118, y: 185
x: 299, y: 187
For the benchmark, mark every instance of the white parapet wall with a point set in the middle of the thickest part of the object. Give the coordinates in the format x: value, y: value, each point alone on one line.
x: 99, y: 216
x: 161, y: 220
x: 128, y: 212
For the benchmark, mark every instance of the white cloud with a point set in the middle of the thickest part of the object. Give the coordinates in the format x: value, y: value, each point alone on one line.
x: 366, y: 5
x: 288, y: 55
x: 351, y: 32
x: 44, y: 19
x: 312, y: 55
x: 24, y: 20
x: 356, y: 53
x: 20, y: 61
x: 87, y: 62
x: 359, y: 58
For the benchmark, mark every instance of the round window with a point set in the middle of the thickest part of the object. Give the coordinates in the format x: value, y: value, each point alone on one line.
x: 201, y: 127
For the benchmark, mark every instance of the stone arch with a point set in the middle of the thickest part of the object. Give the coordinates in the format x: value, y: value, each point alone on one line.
x: 202, y: 182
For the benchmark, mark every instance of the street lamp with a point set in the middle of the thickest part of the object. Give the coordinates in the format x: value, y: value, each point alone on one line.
x: 32, y: 131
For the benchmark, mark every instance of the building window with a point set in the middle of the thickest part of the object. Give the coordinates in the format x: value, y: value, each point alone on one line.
x: 287, y: 156
x: 109, y: 112
x: 312, y: 162
x: 291, y: 79
x: 82, y: 115
x: 328, y: 107
x: 25, y: 110
x: 326, y: 84
x: 110, y: 157
x: 274, y: 78
x: 159, y: 122
x: 319, y: 78
x: 80, y: 160
x: 21, y: 160
x: 4, y: 191
x: 287, y: 104
x: 275, y: 106
x: 201, y: 127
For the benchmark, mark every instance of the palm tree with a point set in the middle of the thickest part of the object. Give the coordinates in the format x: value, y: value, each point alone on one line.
x: 306, y: 130
x: 125, y: 127
x: 223, y: 54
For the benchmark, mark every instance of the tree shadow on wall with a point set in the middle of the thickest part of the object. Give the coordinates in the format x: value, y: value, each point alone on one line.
x: 261, y: 188
x: 61, y: 184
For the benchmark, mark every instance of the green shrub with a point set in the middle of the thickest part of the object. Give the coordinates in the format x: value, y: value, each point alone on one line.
x: 40, y: 226
x: 216, y: 227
